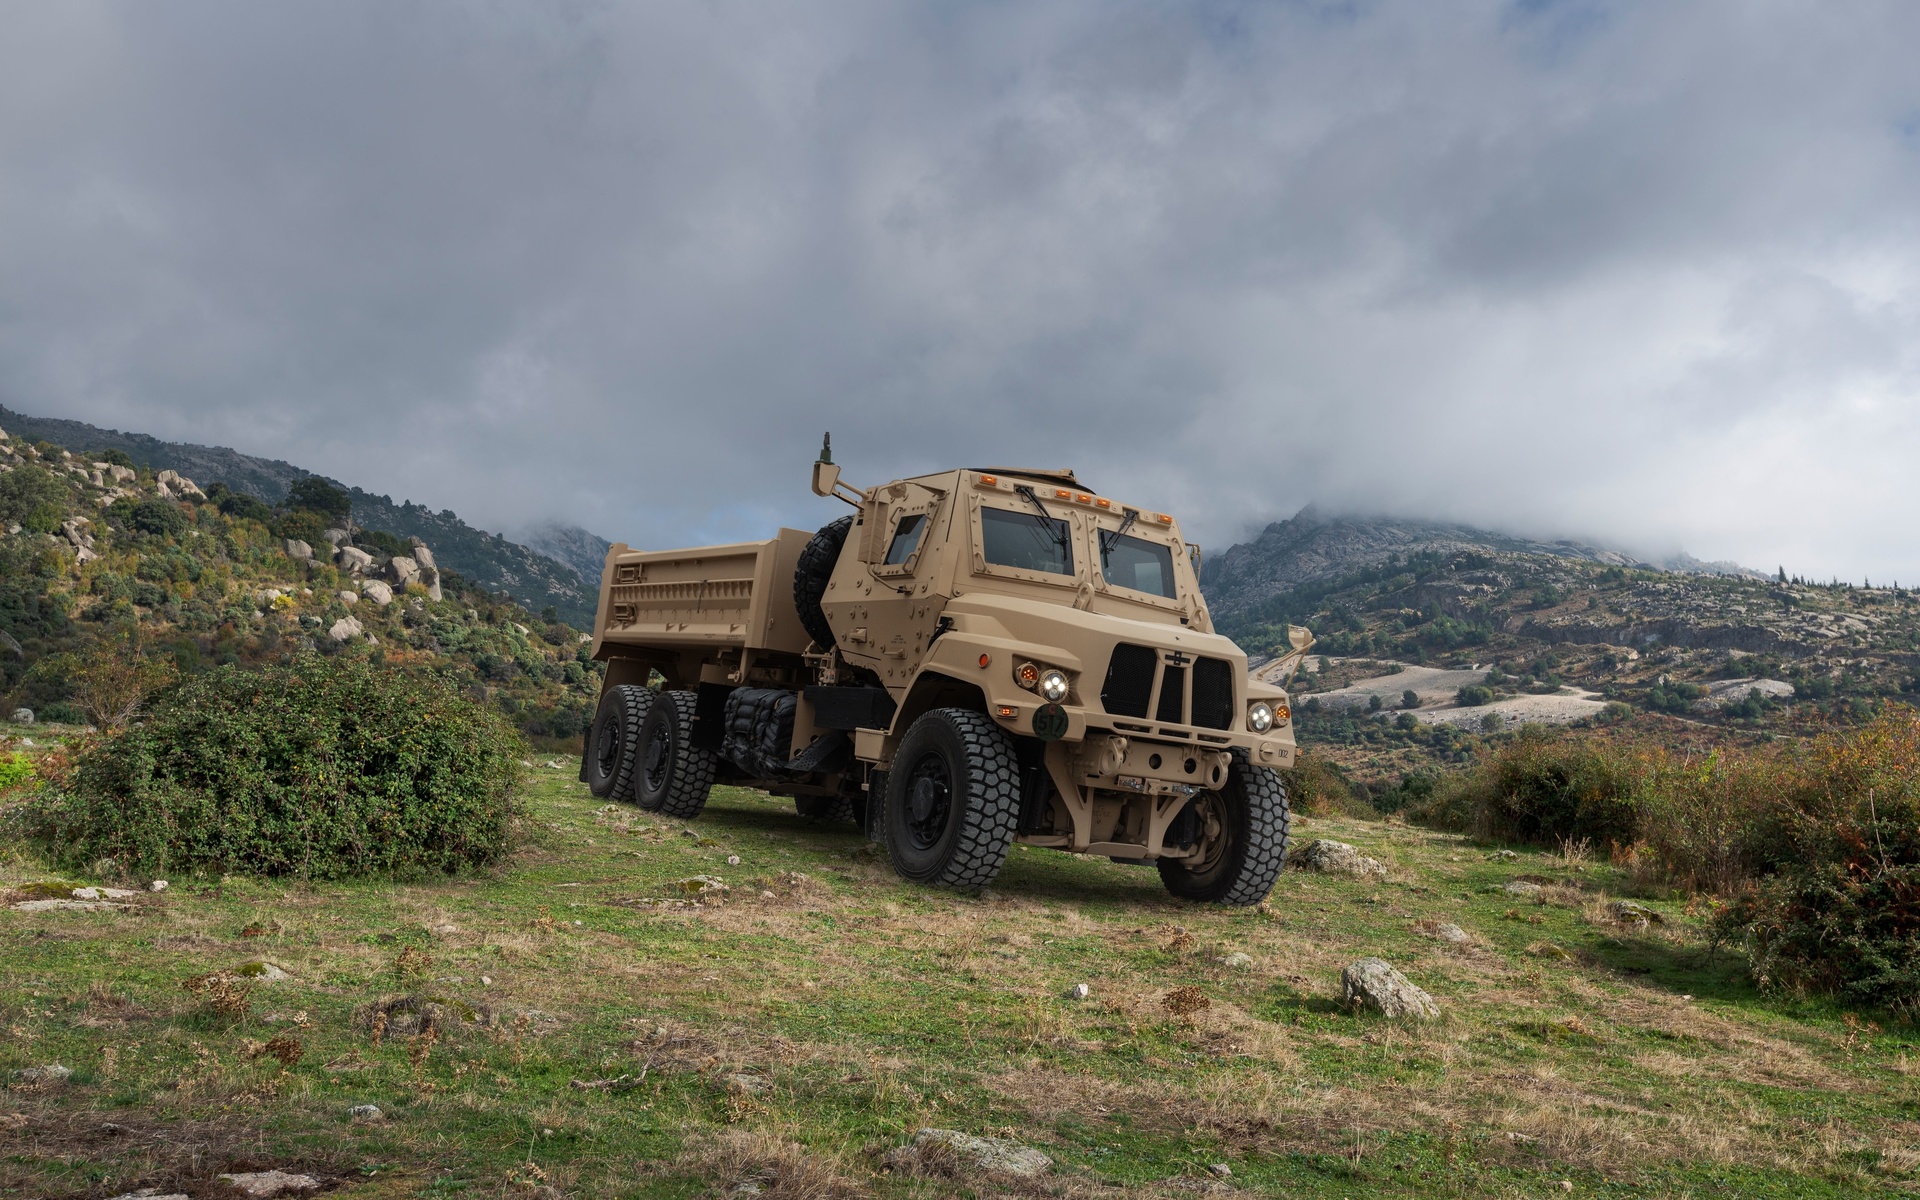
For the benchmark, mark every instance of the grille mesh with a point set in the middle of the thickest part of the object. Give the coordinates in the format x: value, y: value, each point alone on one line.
x: 1213, y: 693
x: 1173, y: 696
x: 1129, y: 680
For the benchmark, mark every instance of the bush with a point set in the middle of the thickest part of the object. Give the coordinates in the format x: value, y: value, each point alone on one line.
x: 15, y: 769
x: 1474, y: 696
x: 1316, y: 786
x: 324, y: 769
x: 1542, y: 789
x: 31, y: 497
x: 158, y: 517
x: 1838, y: 910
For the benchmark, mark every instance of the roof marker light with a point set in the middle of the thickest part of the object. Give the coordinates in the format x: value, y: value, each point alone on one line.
x: 1103, y: 502
x: 989, y: 479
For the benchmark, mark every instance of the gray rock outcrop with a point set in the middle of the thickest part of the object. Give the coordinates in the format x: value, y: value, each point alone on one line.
x: 23, y: 716
x: 402, y: 570
x: 353, y: 559
x: 1373, y: 983
x: 377, y: 592
x: 985, y: 1155
x: 345, y: 628
x: 298, y: 549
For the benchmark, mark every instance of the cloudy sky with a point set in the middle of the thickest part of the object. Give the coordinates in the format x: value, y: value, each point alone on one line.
x: 1641, y: 272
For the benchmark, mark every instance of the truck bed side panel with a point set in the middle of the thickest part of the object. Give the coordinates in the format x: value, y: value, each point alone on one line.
x: 707, y: 596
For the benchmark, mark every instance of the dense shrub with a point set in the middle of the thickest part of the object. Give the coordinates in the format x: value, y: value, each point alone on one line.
x: 324, y: 768
x: 158, y: 518
x: 1543, y: 789
x: 31, y: 497
x: 1474, y: 695
x: 1837, y: 909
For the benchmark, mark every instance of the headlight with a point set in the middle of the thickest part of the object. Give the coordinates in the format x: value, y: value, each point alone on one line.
x: 1260, y: 717
x: 1053, y: 685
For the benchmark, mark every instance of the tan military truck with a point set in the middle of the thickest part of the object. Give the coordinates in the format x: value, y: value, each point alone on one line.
x: 967, y: 660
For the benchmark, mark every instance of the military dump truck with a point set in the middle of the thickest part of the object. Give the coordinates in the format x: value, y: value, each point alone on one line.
x: 967, y: 660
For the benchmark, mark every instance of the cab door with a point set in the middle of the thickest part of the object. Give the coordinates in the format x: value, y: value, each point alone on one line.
x: 890, y: 608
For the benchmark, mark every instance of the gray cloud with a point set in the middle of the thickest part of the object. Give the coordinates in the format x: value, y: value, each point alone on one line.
x: 1645, y: 272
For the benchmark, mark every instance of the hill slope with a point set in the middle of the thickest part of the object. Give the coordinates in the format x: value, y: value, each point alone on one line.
x: 532, y: 577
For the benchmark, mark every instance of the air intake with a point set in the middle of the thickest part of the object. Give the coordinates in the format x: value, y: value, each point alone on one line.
x: 1213, y: 693
x: 1129, y: 682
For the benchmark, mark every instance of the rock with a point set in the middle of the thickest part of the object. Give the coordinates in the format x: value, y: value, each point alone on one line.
x: 348, y: 597
x: 431, y: 577
x: 1373, y: 983
x: 333, y: 537
x: 423, y: 556
x: 1337, y: 858
x: 752, y: 1085
x: 51, y: 1073
x: 377, y: 592
x: 101, y: 893
x: 270, y: 1183
x: 1079, y: 991
x: 402, y: 570
x: 298, y: 549
x: 76, y: 905
x: 23, y: 716
x: 1522, y: 887
x: 701, y: 885
x: 353, y: 559
x: 152, y: 1194
x: 1236, y: 960
x: 1502, y: 856
x: 84, y: 555
x: 345, y: 628
x: 1452, y: 933
x: 178, y: 483
x: 1220, y: 1169
x: 996, y: 1156
x: 365, y: 1112
x: 122, y: 474
x: 158, y: 885
x: 265, y: 972
x: 522, y: 630
x: 1629, y: 913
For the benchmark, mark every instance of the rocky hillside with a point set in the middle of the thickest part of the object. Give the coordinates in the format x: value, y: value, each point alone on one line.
x: 536, y: 578
x: 101, y: 559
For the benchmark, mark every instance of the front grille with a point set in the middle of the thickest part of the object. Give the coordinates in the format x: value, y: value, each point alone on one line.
x: 1173, y: 696
x: 1213, y: 693
x: 1129, y: 682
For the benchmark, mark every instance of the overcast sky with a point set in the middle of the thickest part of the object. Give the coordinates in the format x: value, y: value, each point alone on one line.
x: 1640, y: 272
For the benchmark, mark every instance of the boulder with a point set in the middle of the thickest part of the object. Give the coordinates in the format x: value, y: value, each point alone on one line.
x: 333, y: 537
x: 1374, y: 984
x: 377, y: 592
x: 1452, y: 933
x: 422, y: 555
x: 1337, y: 858
x: 345, y: 628
x: 84, y: 555
x: 348, y: 598
x: 986, y: 1155
x: 353, y: 559
x: 179, y: 484
x: 431, y: 577
x: 270, y: 1183
x: 402, y: 570
x: 23, y: 716
x: 1629, y: 913
x: 121, y: 474
x: 52, y: 1073
x: 298, y: 549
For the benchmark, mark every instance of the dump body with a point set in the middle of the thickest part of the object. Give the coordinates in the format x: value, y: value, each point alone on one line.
x: 965, y: 591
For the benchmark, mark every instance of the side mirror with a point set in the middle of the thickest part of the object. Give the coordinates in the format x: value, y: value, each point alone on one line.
x: 1299, y: 637
x: 826, y: 476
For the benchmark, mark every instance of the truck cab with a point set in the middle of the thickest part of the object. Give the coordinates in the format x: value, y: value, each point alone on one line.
x: 991, y: 655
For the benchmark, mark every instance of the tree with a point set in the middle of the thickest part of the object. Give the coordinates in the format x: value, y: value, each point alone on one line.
x: 33, y: 498
x: 1409, y: 699
x: 317, y: 495
x: 1373, y: 702
x: 113, y: 679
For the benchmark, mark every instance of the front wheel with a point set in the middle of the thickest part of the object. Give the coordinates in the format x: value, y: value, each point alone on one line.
x: 953, y: 800
x: 1242, y: 833
x: 674, y: 775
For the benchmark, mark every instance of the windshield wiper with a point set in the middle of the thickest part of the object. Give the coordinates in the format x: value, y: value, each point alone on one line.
x: 1056, y: 527
x: 1109, y: 538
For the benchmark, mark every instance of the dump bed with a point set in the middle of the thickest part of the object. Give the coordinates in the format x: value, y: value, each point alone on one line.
x: 709, y: 596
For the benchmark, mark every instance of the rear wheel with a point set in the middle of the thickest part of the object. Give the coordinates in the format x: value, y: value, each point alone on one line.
x: 1242, y: 832
x: 828, y: 810
x: 672, y: 775
x: 613, y: 743
x: 953, y: 800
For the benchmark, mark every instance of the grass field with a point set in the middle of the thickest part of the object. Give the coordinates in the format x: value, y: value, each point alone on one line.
x: 788, y: 1030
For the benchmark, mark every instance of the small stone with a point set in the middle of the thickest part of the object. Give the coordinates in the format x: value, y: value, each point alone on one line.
x: 271, y: 1183
x: 752, y: 1085
x: 701, y: 885
x: 1236, y: 960
x: 152, y: 1194
x: 365, y: 1112
x: 158, y: 885
x: 1221, y: 1169
x: 992, y: 1155
x: 1628, y: 913
x: 101, y: 893
x: 444, y: 930
x: 1374, y: 983
x: 348, y: 598
x: 486, y: 981
x: 51, y: 1073
x: 1566, y: 1185
x: 1079, y: 991
x: 1502, y: 856
x: 1522, y: 887
x: 1452, y: 933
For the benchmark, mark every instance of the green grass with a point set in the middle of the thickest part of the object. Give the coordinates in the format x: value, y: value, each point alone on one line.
x: 1643, y: 1064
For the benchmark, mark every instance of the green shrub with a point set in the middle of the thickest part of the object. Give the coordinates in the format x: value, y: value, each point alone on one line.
x: 158, y: 517
x: 1542, y: 789
x: 31, y: 497
x: 1474, y: 696
x: 1316, y: 786
x: 1838, y: 910
x: 325, y: 768
x: 15, y: 769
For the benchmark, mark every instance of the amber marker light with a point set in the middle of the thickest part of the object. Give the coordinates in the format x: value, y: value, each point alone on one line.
x: 1062, y: 494
x: 1103, y: 502
x: 1165, y: 519
x: 986, y: 660
x: 1283, y: 714
x: 989, y: 479
x: 1008, y: 710
x: 1084, y: 498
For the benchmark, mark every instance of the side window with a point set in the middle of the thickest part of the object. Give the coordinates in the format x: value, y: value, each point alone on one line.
x: 906, y: 539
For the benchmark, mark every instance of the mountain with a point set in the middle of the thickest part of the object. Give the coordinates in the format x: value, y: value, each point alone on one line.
x: 534, y: 578
x: 585, y: 552
x: 1312, y: 546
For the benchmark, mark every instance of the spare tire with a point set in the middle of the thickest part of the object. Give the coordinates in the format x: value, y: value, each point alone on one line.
x: 811, y: 575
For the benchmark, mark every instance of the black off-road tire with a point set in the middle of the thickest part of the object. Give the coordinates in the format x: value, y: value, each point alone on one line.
x: 1258, y: 822
x: 611, y: 756
x: 671, y: 774
x: 828, y: 810
x: 957, y: 831
x: 811, y: 575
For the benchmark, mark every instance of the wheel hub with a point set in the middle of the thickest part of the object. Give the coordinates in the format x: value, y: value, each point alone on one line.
x: 656, y: 764
x: 929, y: 800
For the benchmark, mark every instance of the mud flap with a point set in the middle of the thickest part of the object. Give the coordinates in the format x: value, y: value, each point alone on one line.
x: 876, y: 814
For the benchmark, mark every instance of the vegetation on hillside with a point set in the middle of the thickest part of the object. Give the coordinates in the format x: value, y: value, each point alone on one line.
x: 200, y: 582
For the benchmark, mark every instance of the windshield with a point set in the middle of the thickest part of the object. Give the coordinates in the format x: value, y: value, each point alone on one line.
x: 1136, y: 563
x: 1026, y: 541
